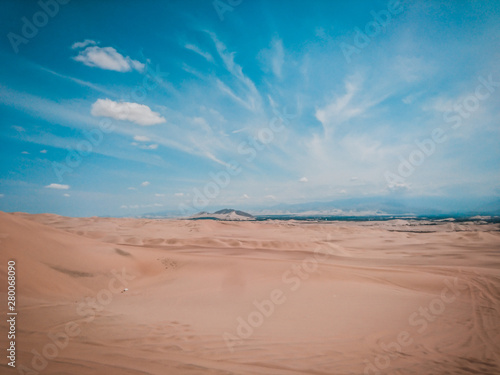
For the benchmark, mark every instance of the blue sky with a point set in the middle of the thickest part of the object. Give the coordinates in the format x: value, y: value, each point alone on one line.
x: 127, y: 107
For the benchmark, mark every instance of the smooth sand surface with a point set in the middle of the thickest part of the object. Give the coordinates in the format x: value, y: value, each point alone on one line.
x: 276, y: 297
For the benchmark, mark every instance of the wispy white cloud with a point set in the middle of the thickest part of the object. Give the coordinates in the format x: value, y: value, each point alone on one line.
x: 413, y: 69
x: 225, y: 89
x: 193, y: 71
x: 152, y: 146
x: 141, y: 138
x: 57, y: 186
x: 279, y: 58
x: 106, y: 58
x: 137, y: 113
x: 340, y: 109
x: 274, y: 57
x: 211, y: 156
x: 60, y: 112
x: 145, y: 183
x: 197, y: 50
x: 253, y: 97
x: 78, y: 81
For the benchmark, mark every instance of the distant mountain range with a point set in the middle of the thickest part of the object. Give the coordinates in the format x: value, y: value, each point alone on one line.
x: 224, y: 214
x: 365, y: 206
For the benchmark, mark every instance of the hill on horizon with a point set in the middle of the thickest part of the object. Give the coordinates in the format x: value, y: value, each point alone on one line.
x: 224, y: 214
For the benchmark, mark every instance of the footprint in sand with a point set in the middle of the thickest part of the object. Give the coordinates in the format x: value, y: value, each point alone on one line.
x: 168, y: 263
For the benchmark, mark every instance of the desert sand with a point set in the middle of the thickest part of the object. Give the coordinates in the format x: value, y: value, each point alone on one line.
x: 137, y: 296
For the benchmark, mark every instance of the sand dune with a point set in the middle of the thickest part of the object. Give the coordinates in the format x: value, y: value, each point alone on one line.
x: 276, y: 297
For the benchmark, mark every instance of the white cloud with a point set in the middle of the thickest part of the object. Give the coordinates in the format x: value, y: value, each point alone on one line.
x: 245, y: 196
x: 145, y: 183
x: 2, y: 195
x: 57, y: 186
x: 25, y: 152
x: 43, y: 151
x: 18, y: 128
x: 83, y: 44
x: 137, y: 113
x: 197, y: 50
x: 159, y: 195
x: 106, y: 58
x: 179, y: 194
x: 67, y: 195
x: 270, y: 197
x: 303, y: 179
x: 141, y: 138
